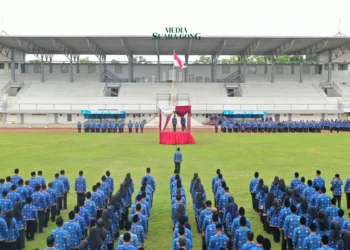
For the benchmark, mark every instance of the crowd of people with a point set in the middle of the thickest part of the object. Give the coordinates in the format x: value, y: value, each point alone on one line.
x: 269, y: 126
x: 300, y: 215
x: 27, y: 207
x: 109, y: 126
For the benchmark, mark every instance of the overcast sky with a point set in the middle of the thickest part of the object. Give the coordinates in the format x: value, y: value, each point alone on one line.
x: 137, y: 17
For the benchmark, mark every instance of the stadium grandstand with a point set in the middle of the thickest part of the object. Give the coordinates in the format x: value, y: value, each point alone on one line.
x: 52, y: 92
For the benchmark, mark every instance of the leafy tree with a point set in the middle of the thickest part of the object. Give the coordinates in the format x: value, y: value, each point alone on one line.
x: 115, y: 61
x: 36, y: 61
x: 85, y: 60
x: 203, y: 60
x: 140, y: 60
x: 230, y: 60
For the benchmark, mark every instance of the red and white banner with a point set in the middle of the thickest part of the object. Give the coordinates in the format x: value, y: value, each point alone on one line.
x: 166, y: 113
x: 178, y: 62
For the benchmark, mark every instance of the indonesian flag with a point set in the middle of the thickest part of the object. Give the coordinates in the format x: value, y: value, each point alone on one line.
x: 178, y: 62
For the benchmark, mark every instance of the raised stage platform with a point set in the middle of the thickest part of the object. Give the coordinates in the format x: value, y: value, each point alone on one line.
x: 176, y: 138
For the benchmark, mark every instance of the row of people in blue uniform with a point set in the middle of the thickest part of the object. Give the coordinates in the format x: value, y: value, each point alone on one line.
x: 305, y: 215
x: 86, y: 229
x: 270, y: 126
x: 109, y: 126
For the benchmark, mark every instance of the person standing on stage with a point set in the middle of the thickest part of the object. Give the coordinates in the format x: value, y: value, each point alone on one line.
x: 174, y: 122
x: 178, y: 160
x: 183, y: 123
x: 79, y: 127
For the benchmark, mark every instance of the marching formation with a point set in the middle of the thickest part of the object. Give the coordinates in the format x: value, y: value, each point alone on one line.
x: 302, y: 215
x: 109, y: 126
x: 26, y: 207
x: 269, y: 126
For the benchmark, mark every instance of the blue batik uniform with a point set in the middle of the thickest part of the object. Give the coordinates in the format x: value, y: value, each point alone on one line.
x: 299, y: 234
x: 80, y: 220
x: 236, y: 224
x: 274, y: 189
x: 86, y: 215
x: 273, y: 217
x: 110, y: 182
x: 33, y: 182
x: 312, y: 242
x: 98, y: 199
x: 80, y: 185
x: 57, y: 184
x: 224, y: 201
x: 302, y: 187
x: 337, y: 186
x: 29, y: 212
x: 133, y: 240
x: 295, y: 183
x: 3, y: 230
x: 53, y: 196
x: 346, y: 225
x: 150, y: 181
x: 105, y: 189
x: 187, y: 234
x: 347, y: 186
x: 262, y: 198
x: 41, y: 180
x: 65, y: 182
x: 130, y: 125
x: 323, y: 201
x: 318, y: 182
x: 139, y: 232
x: 253, y: 183
x: 208, y: 221
x: 30, y: 190
x: 176, y: 245
x: 15, y: 179
x: 204, y: 213
x: 306, y: 215
x: 137, y: 125
x: 13, y: 233
x: 126, y: 247
x: 340, y: 220
x: 218, y: 241
x: 7, y: 186
x: 314, y: 198
x: 308, y: 193
x: 282, y: 217
x: 144, y: 210
x: 74, y: 234
x: 240, y: 237
x: 91, y: 207
x: 142, y: 222
x: 332, y: 212
x: 38, y: 201
x: 209, y: 231
x: 146, y: 204
x: 61, y: 238
x: 248, y: 246
x: 46, y: 197
x: 23, y: 193
x: 178, y: 156
x: 291, y: 222
x: 14, y: 197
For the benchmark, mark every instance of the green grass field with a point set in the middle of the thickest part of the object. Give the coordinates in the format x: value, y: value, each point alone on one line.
x: 237, y: 155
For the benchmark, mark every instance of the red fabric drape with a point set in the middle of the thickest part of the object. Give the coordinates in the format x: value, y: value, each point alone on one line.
x: 182, y: 111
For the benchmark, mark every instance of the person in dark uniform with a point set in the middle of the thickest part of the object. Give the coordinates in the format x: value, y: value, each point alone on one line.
x: 216, y: 125
x: 79, y: 127
x: 183, y: 123
x: 98, y: 127
x: 92, y: 126
x: 178, y: 160
x: 230, y: 126
x: 130, y: 126
x: 142, y: 125
x: 109, y: 127
x: 235, y: 127
x: 223, y: 125
x: 137, y: 125
x: 86, y: 127
x: 174, y: 122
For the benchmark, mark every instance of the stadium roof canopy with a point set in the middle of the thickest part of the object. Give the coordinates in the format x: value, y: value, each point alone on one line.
x: 143, y: 45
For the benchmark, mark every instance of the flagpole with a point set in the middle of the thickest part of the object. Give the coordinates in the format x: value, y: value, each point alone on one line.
x: 172, y: 85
